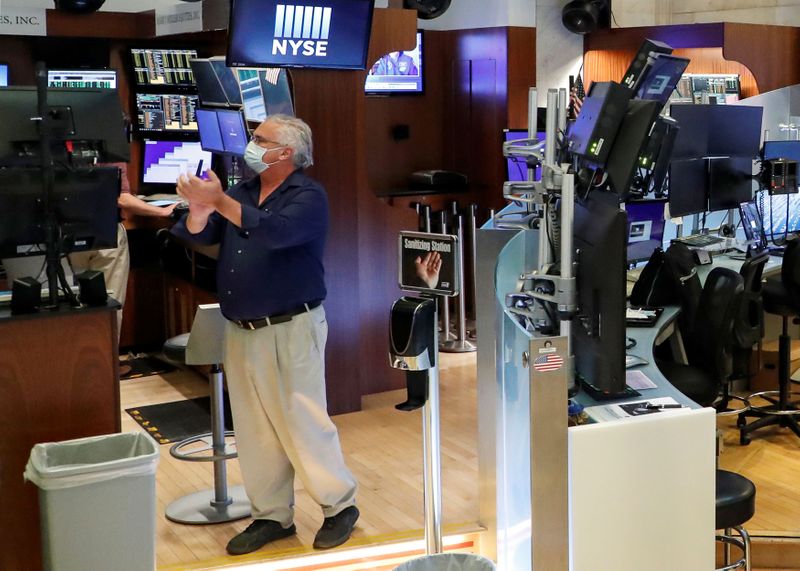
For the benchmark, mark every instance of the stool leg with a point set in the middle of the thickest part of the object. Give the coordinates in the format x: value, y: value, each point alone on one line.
x: 746, y: 539
x: 221, y: 498
x: 726, y: 549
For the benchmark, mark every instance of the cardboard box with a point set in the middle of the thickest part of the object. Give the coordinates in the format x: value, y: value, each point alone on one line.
x: 766, y: 379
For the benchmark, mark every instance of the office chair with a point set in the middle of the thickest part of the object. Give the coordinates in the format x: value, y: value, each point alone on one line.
x: 735, y: 505
x: 710, y: 340
x: 748, y: 329
x: 781, y: 297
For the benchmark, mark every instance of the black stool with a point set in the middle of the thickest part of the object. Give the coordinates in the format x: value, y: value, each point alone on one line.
x: 781, y: 297
x: 203, y: 346
x: 736, y: 504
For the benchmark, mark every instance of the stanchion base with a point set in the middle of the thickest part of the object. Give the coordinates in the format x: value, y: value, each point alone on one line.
x: 196, y: 509
x: 457, y: 346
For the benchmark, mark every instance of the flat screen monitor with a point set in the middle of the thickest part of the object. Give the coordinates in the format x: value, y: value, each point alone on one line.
x: 782, y: 150
x: 780, y: 213
x: 284, y: 33
x: 645, y: 228
x: 166, y: 112
x: 730, y: 182
x: 716, y: 131
x: 165, y: 161
x: 397, y: 72
x: 517, y: 168
x: 82, y: 78
x: 3, y: 74
x: 95, y: 116
x: 626, y: 152
x: 265, y: 92
x: 222, y: 131
x: 209, y: 88
x: 228, y: 80
x: 85, y: 205
x: 168, y: 67
x: 752, y: 224
x: 687, y: 187
x: 661, y: 78
x: 598, y: 331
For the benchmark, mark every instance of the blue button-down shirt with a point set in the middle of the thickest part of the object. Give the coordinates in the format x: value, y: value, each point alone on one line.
x: 273, y: 263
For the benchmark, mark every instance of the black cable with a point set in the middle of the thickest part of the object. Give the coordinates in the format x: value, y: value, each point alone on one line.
x: 613, y: 18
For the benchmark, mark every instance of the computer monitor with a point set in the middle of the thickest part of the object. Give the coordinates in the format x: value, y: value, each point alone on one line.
x: 662, y: 76
x: 716, y: 131
x: 222, y: 131
x: 687, y: 187
x: 277, y: 33
x: 209, y: 88
x: 167, y: 67
x: 3, y: 74
x: 227, y: 79
x: 626, y: 152
x: 397, y: 72
x: 752, y: 224
x: 780, y: 214
x: 730, y: 182
x: 85, y: 207
x: 265, y: 92
x: 645, y: 228
x: 82, y: 78
x: 93, y: 115
x: 782, y: 150
x: 598, y: 329
x: 517, y: 168
x: 165, y: 161
x: 166, y: 112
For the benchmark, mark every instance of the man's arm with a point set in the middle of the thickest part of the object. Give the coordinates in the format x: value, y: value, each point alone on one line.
x: 138, y: 207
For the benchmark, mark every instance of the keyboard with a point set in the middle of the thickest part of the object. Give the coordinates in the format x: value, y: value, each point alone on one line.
x: 700, y: 240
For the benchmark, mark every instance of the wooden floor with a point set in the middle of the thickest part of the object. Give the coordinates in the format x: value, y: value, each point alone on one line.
x: 383, y: 448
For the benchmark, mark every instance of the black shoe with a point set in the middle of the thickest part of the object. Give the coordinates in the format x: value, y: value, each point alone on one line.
x: 258, y: 534
x: 336, y: 529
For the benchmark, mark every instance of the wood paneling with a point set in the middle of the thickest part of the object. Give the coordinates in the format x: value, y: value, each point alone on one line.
x: 101, y: 24
x: 521, y: 74
x: 58, y: 381
x: 765, y: 56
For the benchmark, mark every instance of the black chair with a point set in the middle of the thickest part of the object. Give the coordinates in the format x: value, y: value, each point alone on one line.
x: 781, y: 297
x: 748, y: 330
x: 735, y: 505
x: 710, y: 340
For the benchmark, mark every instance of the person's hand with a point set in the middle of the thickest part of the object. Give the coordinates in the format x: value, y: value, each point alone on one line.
x: 197, y: 191
x: 428, y: 268
x: 166, y: 211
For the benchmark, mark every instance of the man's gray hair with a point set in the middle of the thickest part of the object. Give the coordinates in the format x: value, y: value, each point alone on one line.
x: 296, y: 134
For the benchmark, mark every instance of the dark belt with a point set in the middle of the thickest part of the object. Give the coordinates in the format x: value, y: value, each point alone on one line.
x: 252, y: 324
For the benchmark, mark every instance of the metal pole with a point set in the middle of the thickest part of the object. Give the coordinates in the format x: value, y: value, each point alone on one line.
x: 221, y: 497
x: 431, y: 451
x: 545, y: 255
x: 567, y: 254
x: 532, y: 120
x: 473, y: 256
x: 426, y: 218
x: 460, y: 343
x: 444, y: 301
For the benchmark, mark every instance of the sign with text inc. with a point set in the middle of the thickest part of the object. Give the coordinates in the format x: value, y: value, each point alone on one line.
x: 180, y: 19
x: 22, y: 20
x: 300, y: 33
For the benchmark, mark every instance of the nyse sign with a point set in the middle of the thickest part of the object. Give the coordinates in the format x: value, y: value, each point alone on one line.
x: 22, y: 21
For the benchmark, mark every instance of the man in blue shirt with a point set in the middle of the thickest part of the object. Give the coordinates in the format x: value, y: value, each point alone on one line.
x: 270, y: 278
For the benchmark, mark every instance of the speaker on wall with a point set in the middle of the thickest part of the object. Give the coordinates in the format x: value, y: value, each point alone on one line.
x: 427, y: 9
x: 79, y: 6
x: 585, y: 16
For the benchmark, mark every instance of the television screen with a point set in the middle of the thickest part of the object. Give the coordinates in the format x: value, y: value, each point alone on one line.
x: 265, y: 92
x: 3, y: 74
x: 165, y: 161
x: 397, y: 72
x: 163, y: 66
x: 517, y: 168
x: 222, y: 131
x: 645, y: 228
x: 166, y: 112
x: 281, y: 33
x: 716, y: 131
x: 82, y: 78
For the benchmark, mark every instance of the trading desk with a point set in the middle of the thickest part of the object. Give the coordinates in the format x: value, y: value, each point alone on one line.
x: 641, y: 489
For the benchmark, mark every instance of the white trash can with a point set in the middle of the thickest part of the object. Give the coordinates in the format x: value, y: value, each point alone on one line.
x: 97, y: 501
x: 448, y: 562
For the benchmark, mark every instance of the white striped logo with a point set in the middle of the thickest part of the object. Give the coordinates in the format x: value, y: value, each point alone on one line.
x: 301, y: 30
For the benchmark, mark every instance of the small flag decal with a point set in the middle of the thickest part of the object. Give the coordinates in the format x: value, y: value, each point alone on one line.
x: 548, y: 363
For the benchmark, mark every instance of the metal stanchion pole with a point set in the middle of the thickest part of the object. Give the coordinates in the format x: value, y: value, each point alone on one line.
x: 426, y: 218
x: 444, y: 301
x: 472, y: 226
x: 460, y: 343
x: 431, y: 450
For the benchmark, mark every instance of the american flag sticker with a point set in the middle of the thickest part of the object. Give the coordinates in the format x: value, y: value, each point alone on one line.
x: 547, y: 363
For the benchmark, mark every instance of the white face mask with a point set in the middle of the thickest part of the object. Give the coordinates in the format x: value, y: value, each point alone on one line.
x: 254, y: 155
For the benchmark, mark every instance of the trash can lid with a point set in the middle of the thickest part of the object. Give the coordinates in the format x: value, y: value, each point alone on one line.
x: 448, y: 562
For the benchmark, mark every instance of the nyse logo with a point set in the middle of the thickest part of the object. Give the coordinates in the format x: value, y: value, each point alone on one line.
x: 301, y: 30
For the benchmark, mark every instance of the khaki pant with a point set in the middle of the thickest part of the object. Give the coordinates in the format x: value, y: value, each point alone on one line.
x: 276, y: 382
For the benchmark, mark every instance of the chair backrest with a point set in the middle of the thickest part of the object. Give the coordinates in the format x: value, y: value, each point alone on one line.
x: 207, y: 338
x: 749, y: 325
x: 790, y: 271
x: 711, y: 338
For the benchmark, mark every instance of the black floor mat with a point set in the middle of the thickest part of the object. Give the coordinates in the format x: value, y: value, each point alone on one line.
x: 143, y: 367
x: 171, y: 422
